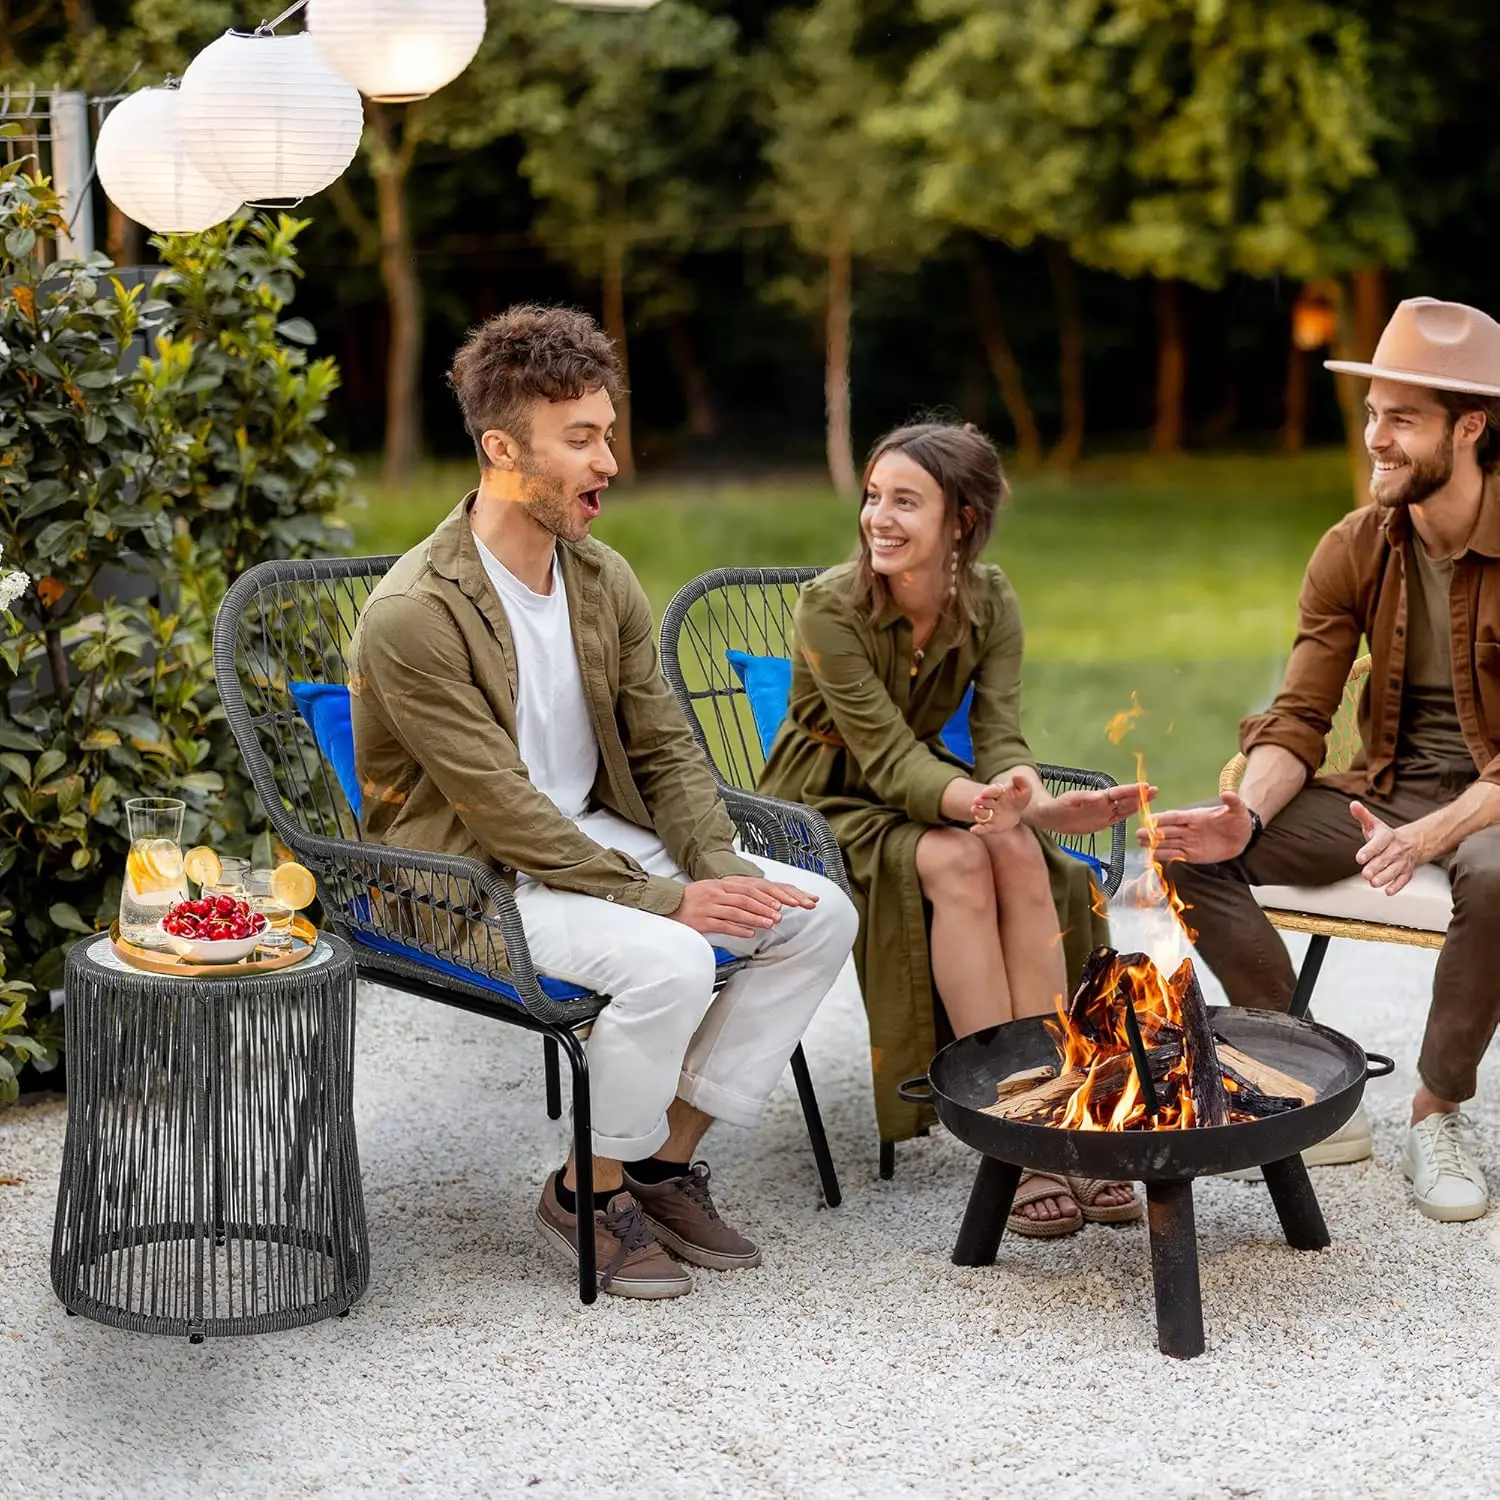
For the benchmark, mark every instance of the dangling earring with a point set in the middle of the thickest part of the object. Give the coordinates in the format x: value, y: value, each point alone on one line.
x: 953, y: 576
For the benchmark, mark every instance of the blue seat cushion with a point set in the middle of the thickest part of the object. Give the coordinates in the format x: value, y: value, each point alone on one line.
x: 767, y: 681
x: 325, y: 706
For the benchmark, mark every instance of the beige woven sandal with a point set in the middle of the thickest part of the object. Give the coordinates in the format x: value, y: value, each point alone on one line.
x: 1035, y: 1186
x: 1086, y: 1192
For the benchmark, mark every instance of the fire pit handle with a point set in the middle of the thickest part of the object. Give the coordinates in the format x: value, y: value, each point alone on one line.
x: 1378, y: 1065
x: 908, y: 1087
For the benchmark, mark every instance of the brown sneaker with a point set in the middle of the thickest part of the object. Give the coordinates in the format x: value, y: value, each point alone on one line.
x: 630, y: 1262
x: 683, y: 1215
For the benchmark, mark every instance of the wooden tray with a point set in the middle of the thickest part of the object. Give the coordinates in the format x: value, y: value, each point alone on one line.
x: 261, y: 961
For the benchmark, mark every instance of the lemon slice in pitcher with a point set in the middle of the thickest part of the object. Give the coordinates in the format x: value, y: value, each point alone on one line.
x: 201, y: 865
x: 293, y: 886
x: 154, y: 865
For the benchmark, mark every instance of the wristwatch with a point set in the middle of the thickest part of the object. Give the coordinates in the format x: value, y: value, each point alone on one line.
x: 1256, y: 829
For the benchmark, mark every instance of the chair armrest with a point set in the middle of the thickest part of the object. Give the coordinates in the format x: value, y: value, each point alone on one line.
x: 1071, y: 778
x: 787, y: 832
x: 450, y: 907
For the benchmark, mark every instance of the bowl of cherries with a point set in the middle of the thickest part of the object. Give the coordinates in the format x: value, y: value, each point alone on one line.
x: 213, y: 929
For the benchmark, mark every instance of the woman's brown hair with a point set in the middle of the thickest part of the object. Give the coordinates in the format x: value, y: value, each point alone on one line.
x: 966, y: 467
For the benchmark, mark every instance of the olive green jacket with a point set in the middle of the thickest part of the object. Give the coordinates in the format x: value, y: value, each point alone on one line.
x: 432, y: 678
x: 862, y: 744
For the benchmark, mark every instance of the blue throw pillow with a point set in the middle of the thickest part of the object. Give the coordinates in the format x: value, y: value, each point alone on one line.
x: 325, y: 706
x: 767, y: 681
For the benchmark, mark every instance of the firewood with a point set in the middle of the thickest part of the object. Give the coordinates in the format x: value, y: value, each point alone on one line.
x: 1205, y: 1082
x: 1270, y: 1081
x: 1111, y: 1076
x: 1246, y: 1099
x: 1026, y: 1079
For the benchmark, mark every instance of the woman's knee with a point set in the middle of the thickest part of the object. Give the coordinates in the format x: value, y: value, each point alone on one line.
x: 953, y: 866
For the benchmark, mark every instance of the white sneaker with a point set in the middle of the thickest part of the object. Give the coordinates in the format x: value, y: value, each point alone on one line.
x: 1351, y: 1142
x: 1445, y: 1178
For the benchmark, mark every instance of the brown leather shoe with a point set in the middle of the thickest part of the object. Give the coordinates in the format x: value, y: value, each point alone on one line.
x: 630, y: 1262
x: 682, y: 1213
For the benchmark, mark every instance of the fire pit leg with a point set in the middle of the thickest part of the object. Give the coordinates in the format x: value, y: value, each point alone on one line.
x: 1296, y: 1204
x: 989, y: 1206
x: 1174, y: 1268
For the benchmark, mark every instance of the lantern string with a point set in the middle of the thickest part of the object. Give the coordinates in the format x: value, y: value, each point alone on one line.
x: 267, y: 27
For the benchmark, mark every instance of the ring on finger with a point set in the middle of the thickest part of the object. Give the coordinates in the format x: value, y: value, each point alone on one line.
x: 989, y: 816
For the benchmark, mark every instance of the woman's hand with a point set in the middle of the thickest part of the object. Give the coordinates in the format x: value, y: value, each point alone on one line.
x: 1090, y: 811
x: 998, y: 808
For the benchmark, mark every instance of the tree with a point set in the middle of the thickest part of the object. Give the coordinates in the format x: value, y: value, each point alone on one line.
x: 1180, y: 139
x: 622, y: 122
x: 845, y: 192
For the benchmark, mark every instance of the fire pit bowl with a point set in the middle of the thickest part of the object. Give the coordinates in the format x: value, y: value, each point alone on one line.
x: 962, y: 1082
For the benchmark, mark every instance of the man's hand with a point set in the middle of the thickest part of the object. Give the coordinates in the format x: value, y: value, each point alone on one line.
x: 1390, y: 855
x: 998, y: 808
x: 1090, y: 811
x: 1201, y: 835
x: 738, y: 905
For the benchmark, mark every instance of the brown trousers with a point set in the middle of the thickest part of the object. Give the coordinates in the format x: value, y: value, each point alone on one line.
x: 1313, y: 841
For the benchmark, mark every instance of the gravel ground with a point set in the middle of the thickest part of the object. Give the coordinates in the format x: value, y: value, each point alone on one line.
x: 857, y: 1362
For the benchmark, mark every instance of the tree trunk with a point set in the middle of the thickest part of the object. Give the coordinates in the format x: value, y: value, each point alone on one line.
x: 1294, y: 417
x: 1070, y: 355
x: 697, y: 394
x: 1001, y: 357
x: 612, y: 290
x: 1363, y: 317
x: 123, y: 240
x: 1171, y: 369
x: 836, y: 367
x: 391, y: 165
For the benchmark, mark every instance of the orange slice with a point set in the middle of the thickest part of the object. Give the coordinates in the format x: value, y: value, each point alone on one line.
x: 292, y: 885
x: 201, y: 865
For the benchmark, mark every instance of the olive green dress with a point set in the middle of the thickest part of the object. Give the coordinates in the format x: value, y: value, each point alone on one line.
x: 861, y: 743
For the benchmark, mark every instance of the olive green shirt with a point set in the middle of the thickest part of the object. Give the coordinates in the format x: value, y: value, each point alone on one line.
x: 1430, y: 741
x: 432, y: 677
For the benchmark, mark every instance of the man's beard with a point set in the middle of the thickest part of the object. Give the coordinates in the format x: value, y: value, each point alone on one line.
x: 1420, y: 480
x: 548, y: 501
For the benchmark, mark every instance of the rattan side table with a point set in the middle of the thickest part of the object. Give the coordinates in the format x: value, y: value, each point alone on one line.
x: 210, y: 1176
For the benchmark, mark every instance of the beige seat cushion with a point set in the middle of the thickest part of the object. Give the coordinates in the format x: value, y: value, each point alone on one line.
x: 1426, y: 903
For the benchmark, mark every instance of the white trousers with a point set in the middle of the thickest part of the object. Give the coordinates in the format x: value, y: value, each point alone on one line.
x: 664, y: 1032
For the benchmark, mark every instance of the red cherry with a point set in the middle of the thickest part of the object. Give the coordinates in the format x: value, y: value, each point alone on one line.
x: 258, y: 921
x: 224, y: 905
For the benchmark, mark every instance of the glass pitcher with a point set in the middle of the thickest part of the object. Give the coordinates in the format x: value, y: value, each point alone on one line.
x: 154, y: 878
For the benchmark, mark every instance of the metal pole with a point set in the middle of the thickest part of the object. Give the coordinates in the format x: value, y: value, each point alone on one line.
x: 71, y: 173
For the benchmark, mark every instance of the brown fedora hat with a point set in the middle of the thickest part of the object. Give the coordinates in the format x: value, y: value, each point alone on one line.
x: 1442, y: 344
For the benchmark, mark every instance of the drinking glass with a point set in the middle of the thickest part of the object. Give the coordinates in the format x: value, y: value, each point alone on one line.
x: 234, y: 875
x: 153, y: 868
x: 278, y: 915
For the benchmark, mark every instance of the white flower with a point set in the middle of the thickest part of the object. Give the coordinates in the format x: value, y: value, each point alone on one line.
x: 13, y: 583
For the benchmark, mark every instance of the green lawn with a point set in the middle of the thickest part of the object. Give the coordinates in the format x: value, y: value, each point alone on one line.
x: 1176, y: 581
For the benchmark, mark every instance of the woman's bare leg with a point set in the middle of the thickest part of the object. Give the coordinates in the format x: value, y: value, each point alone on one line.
x: 1032, y: 941
x: 1029, y: 935
x: 968, y: 968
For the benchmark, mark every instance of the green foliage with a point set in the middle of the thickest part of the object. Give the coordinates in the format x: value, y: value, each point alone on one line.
x: 185, y: 470
x: 27, y: 1038
x: 1178, y: 138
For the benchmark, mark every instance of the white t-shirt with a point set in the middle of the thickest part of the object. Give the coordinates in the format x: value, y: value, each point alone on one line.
x: 555, y: 733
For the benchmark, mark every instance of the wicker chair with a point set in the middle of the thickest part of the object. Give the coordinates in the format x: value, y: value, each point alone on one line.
x: 436, y: 926
x: 1417, y: 916
x: 750, y: 610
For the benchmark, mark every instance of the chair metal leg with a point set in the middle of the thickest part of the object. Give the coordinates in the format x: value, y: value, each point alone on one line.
x: 1307, y: 976
x: 554, y: 1081
x: 832, y: 1195
x: 887, y: 1160
x: 583, y: 1166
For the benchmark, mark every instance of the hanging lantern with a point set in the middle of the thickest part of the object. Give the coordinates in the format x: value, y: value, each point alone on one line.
x: 145, y: 169
x: 397, y: 50
x: 1315, y: 315
x: 610, y: 4
x: 266, y: 117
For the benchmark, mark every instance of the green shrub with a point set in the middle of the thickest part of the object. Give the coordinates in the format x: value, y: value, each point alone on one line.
x: 205, y: 458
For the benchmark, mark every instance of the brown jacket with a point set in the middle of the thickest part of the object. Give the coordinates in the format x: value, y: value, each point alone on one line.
x: 432, y: 678
x: 1355, y: 587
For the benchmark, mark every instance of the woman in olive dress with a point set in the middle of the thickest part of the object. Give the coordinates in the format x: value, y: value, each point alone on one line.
x: 961, y: 891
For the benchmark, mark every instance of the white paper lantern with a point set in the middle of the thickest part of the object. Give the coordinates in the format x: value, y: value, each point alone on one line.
x: 266, y: 117
x: 397, y: 50
x: 144, y: 167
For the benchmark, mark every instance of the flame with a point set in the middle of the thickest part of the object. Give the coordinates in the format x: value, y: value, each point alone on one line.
x: 1124, y: 721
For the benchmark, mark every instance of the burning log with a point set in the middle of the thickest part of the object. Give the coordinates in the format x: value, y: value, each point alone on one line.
x: 1246, y: 1099
x: 1262, y: 1076
x: 1028, y: 1078
x: 1205, y: 1083
x: 1111, y: 1076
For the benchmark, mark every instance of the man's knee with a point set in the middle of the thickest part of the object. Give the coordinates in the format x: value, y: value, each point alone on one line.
x: 1474, y: 873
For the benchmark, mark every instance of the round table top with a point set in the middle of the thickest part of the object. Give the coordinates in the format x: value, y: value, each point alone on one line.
x: 99, y: 954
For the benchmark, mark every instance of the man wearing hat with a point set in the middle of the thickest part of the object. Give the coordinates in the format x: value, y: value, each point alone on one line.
x: 1416, y: 574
